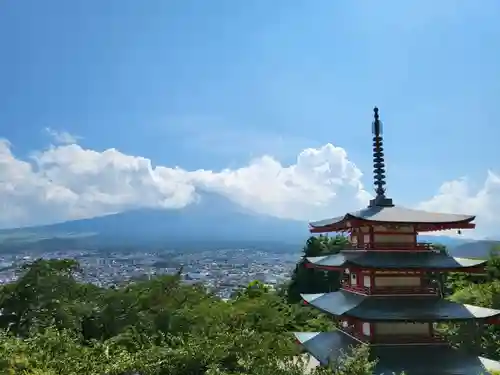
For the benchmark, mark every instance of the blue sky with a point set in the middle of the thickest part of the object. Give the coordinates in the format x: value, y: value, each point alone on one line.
x: 212, y: 84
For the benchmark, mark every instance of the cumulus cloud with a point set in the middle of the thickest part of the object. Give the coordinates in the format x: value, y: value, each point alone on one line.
x: 461, y: 196
x: 62, y: 137
x: 321, y: 181
x: 67, y: 181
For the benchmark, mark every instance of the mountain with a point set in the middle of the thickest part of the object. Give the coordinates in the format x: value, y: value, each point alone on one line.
x: 475, y: 249
x: 449, y: 242
x: 211, y: 218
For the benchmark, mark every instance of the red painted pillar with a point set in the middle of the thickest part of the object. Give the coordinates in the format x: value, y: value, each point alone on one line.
x: 372, y: 237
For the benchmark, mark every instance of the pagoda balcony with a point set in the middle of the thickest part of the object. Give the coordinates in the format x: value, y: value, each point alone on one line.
x: 399, y: 290
x: 407, y: 339
x: 392, y: 246
x: 394, y: 339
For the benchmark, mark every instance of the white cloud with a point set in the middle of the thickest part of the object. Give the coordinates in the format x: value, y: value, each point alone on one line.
x: 460, y: 196
x: 62, y: 137
x: 68, y: 182
x: 321, y: 181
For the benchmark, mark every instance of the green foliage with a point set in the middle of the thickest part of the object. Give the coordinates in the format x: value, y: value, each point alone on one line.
x: 355, y: 362
x: 310, y: 280
x: 480, y: 290
x: 457, y: 281
x: 52, y: 324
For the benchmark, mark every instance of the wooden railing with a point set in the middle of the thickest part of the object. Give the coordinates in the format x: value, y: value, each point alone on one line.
x: 407, y: 339
x: 395, y: 339
x: 417, y: 290
x: 392, y: 246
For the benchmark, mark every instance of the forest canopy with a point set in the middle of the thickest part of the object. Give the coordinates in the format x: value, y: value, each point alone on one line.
x: 53, y: 324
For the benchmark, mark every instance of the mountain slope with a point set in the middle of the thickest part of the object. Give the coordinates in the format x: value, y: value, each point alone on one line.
x: 212, y: 218
x: 475, y: 249
x: 449, y: 242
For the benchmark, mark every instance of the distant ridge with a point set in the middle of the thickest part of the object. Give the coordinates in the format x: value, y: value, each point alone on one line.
x: 449, y: 242
x: 475, y: 249
x: 213, y: 219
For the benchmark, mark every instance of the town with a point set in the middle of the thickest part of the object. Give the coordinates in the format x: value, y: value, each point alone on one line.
x: 221, y: 271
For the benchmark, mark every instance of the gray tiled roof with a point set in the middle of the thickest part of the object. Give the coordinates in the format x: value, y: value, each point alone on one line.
x: 395, y: 260
x: 392, y: 359
x: 400, y: 308
x: 397, y: 215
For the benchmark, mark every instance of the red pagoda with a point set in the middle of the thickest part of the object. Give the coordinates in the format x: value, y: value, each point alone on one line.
x: 387, y: 298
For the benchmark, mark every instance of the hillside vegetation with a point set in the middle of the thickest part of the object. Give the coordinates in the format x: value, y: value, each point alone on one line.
x: 52, y: 324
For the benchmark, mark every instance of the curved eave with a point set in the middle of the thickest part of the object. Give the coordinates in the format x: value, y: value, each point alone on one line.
x: 394, y: 309
x: 395, y: 359
x: 424, y: 221
x: 348, y: 223
x: 339, y: 224
x: 396, y: 261
x: 335, y: 303
x: 333, y: 262
x: 325, y: 346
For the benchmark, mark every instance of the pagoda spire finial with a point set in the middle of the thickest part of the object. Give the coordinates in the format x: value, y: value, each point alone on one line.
x: 379, y: 164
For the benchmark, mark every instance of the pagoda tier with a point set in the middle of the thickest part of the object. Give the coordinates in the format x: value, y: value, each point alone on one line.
x: 418, y: 221
x: 390, y: 295
x: 396, y: 308
x: 393, y: 273
x: 423, y: 261
x: 419, y: 359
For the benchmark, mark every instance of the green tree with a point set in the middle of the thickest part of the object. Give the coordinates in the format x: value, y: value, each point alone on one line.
x: 355, y: 362
x: 45, y: 294
x: 480, y: 290
x: 310, y: 280
x: 158, y: 326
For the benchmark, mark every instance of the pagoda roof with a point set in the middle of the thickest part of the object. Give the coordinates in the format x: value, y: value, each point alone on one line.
x: 395, y: 260
x: 393, y: 214
x: 396, y: 308
x: 394, y: 359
